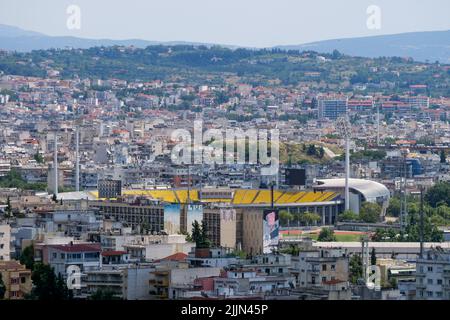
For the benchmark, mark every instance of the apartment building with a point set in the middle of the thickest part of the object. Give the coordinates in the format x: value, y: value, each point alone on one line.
x: 125, y: 281
x: 332, y: 108
x: 316, y: 268
x: 86, y: 256
x: 16, y: 278
x: 433, y: 275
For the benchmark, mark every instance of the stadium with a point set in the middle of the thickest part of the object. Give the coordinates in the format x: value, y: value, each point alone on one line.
x: 234, y: 217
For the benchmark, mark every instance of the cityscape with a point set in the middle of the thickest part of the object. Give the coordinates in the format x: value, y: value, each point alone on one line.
x: 196, y: 171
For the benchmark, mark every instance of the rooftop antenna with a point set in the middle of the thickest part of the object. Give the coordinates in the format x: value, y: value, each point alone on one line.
x: 343, y: 126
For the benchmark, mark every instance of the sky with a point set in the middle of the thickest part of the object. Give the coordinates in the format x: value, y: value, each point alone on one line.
x: 251, y: 23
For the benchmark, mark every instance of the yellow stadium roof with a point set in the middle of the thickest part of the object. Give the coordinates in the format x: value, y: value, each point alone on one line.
x: 239, y: 196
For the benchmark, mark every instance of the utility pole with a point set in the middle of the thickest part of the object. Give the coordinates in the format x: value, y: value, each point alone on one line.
x: 77, y: 160
x: 378, y: 125
x: 343, y: 126
x: 403, y: 200
x: 55, y: 164
x: 421, y: 222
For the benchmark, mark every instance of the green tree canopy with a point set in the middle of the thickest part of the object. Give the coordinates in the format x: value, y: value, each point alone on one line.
x: 370, y: 212
x: 438, y: 194
x: 348, y: 215
x: 48, y: 286
x: 27, y: 257
x: 326, y: 234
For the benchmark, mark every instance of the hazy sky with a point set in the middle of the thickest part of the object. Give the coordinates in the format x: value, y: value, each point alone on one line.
x: 256, y: 23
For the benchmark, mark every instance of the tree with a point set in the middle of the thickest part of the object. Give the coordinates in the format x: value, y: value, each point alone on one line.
x: 8, y: 209
x: 393, y: 209
x: 310, y: 218
x: 196, y: 232
x: 336, y: 54
x: 311, y: 151
x: 27, y: 257
x: 321, y: 152
x: 373, y: 257
x: 38, y: 157
x: 46, y: 285
x: 2, y: 288
x: 443, y: 157
x: 286, y: 217
x: 438, y: 194
x: 356, y: 268
x: 199, y: 235
x: 206, y: 243
x: 370, y: 212
x: 326, y: 235
x: 348, y: 215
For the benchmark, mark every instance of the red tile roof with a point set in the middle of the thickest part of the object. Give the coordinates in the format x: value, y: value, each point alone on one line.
x: 179, y: 256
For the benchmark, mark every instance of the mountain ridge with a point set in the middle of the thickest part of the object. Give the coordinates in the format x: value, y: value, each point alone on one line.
x: 421, y: 46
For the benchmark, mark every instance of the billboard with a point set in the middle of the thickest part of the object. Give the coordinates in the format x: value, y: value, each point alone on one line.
x: 295, y: 177
x: 172, y: 218
x: 271, y: 230
x: 194, y: 212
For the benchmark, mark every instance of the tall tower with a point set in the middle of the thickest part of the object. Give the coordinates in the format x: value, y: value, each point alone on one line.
x: 77, y: 160
x: 343, y: 126
x: 55, y: 164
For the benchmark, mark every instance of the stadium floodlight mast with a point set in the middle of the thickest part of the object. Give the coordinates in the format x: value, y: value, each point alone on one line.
x: 344, y: 129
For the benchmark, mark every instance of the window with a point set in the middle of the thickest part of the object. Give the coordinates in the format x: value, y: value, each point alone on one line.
x: 54, y: 255
x: 439, y: 281
x: 430, y: 269
x: 439, y: 294
x: 430, y: 281
x: 324, y: 279
x: 333, y: 267
x: 429, y: 293
x: 324, y: 267
x: 23, y: 280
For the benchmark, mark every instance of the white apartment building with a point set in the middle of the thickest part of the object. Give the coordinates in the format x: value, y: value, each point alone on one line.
x: 433, y: 275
